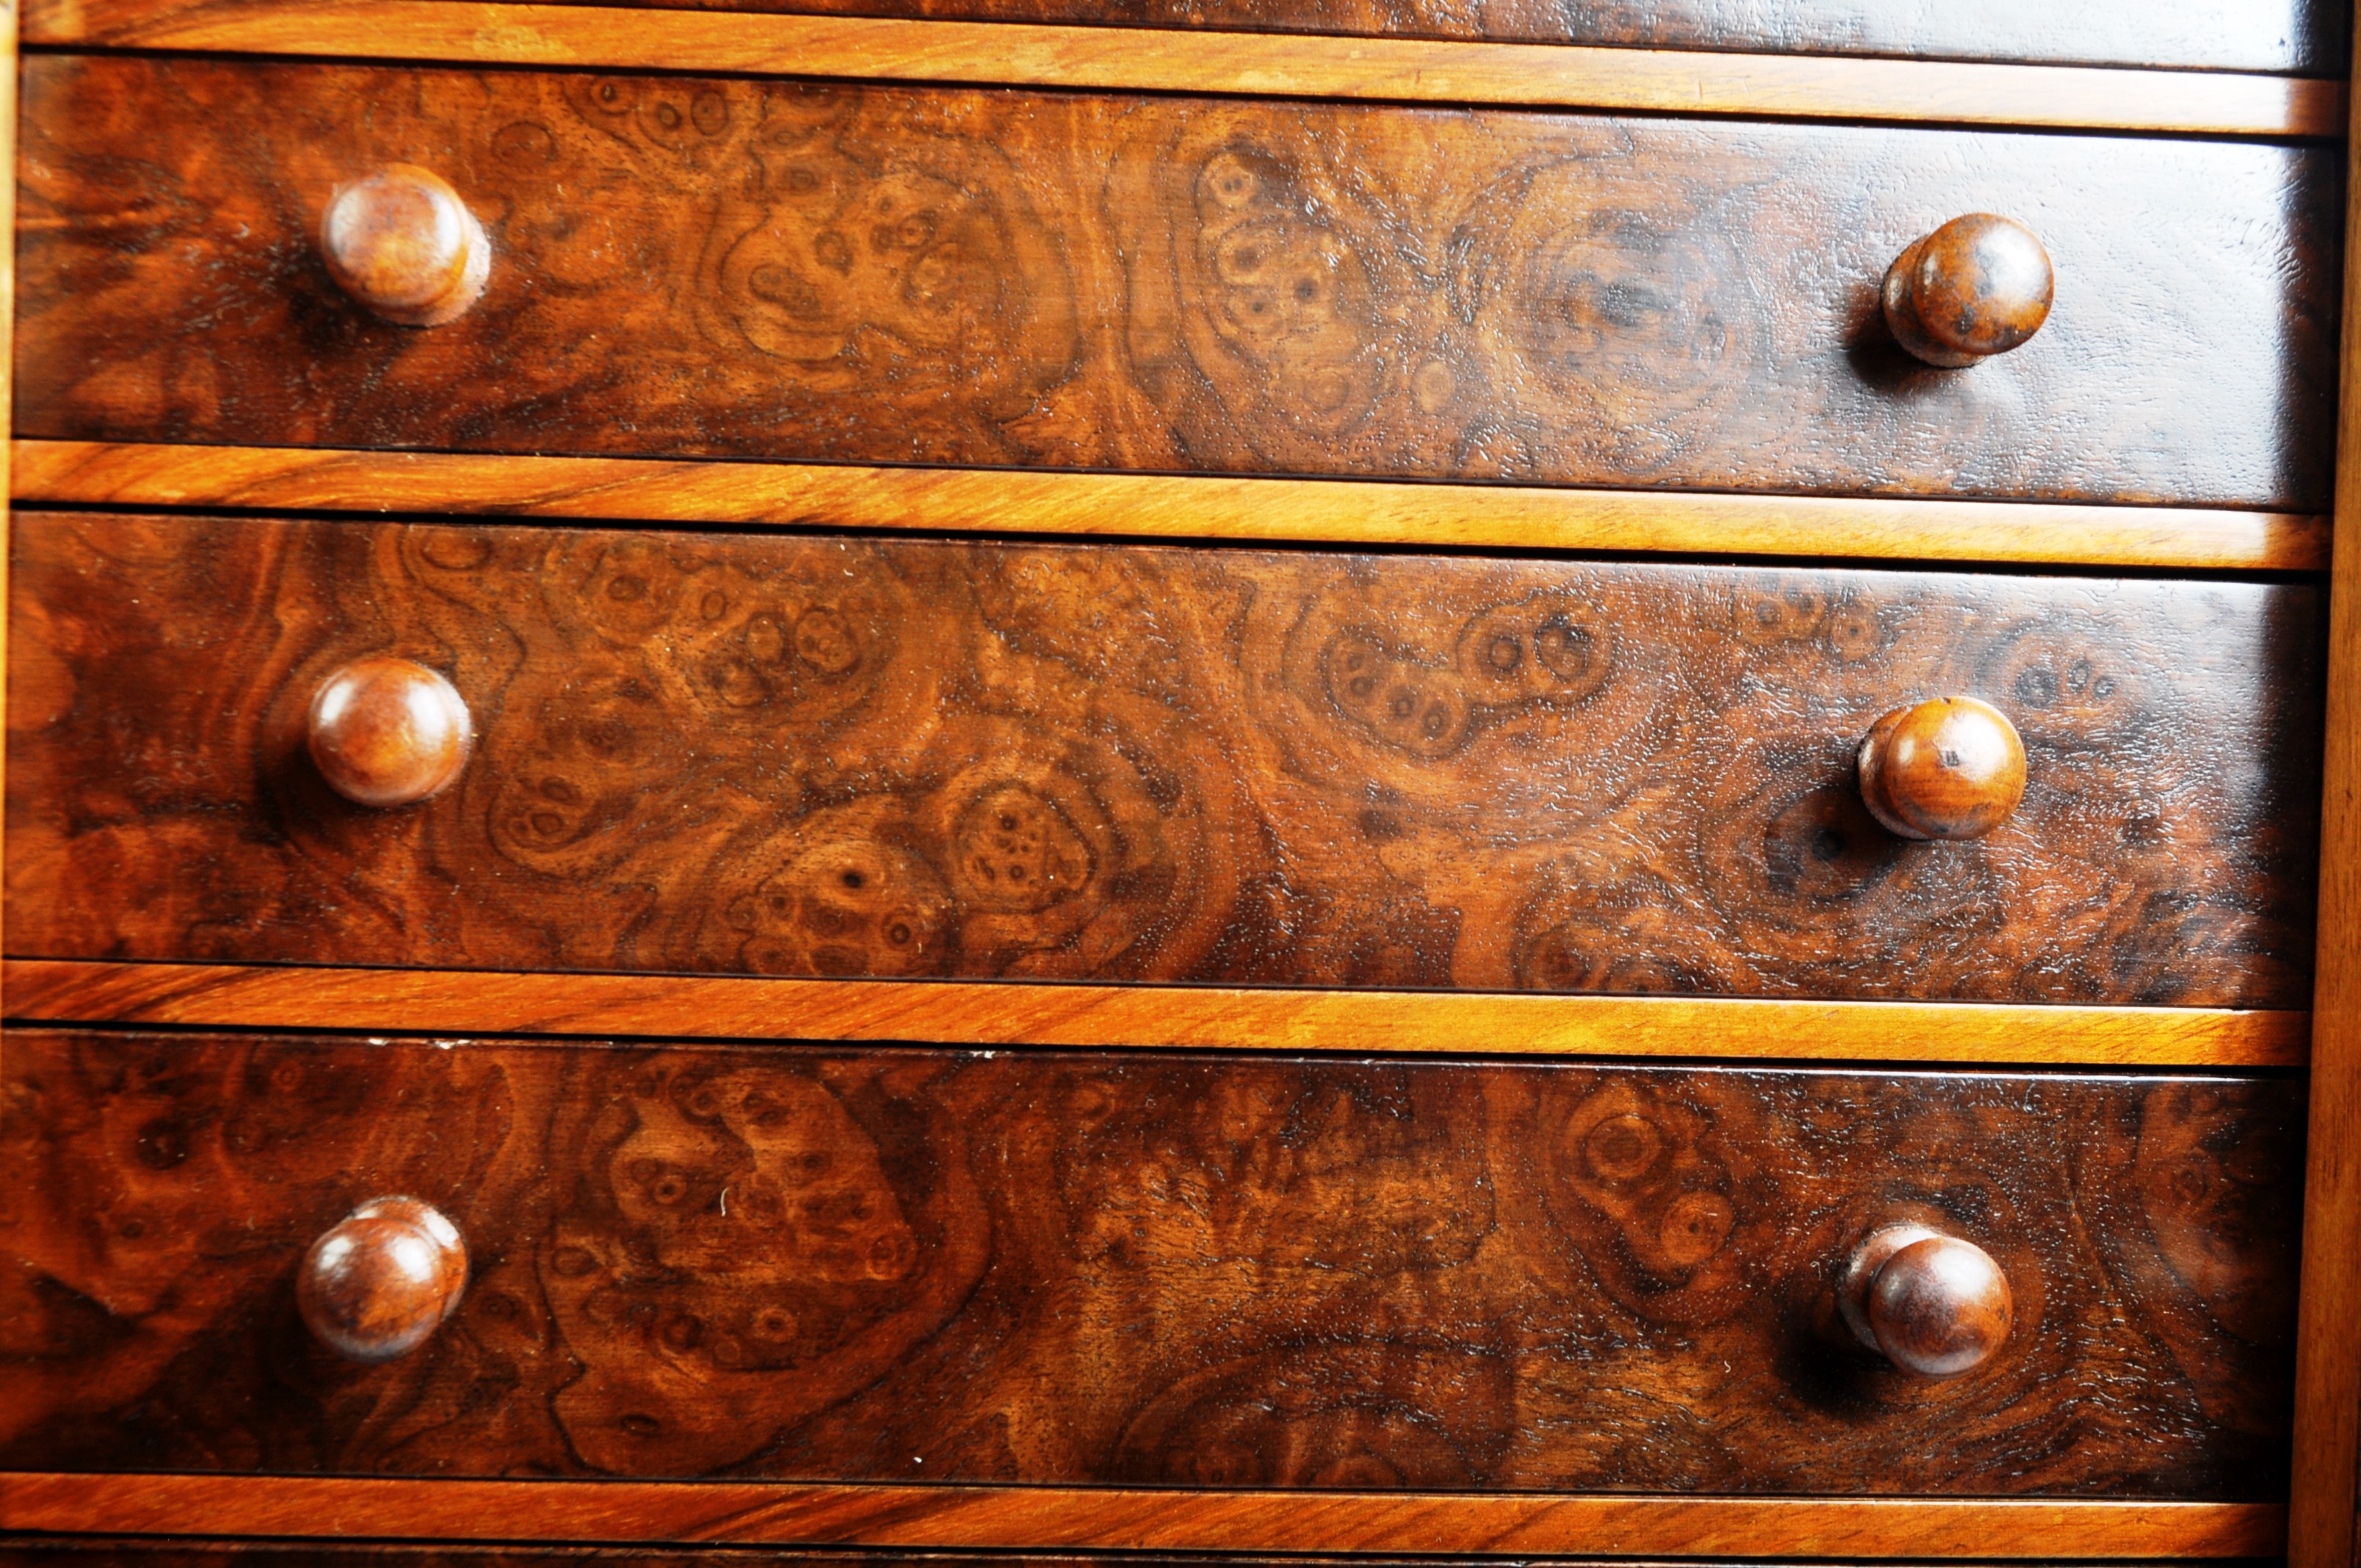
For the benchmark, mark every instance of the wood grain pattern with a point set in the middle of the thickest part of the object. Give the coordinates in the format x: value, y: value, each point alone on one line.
x: 837, y: 757
x: 2304, y: 36
x: 1147, y: 1270
x: 1136, y: 1520
x: 1199, y: 1016
x: 1434, y: 515
x: 2326, y: 1492
x: 881, y: 275
x: 1129, y: 60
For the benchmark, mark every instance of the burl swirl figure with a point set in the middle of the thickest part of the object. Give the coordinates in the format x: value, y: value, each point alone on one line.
x: 740, y: 1255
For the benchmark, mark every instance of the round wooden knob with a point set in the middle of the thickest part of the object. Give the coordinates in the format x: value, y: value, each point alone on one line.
x: 404, y: 244
x: 384, y: 731
x: 1952, y: 768
x: 1977, y: 286
x: 1930, y: 1303
x: 382, y: 1278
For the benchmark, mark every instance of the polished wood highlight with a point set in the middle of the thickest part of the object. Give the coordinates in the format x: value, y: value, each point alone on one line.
x: 1979, y: 285
x: 1142, y: 60
x: 1949, y: 768
x: 379, y: 1281
x: 2326, y: 1495
x: 1035, y: 1518
x: 1202, y: 1017
x: 292, y: 478
x: 404, y: 244
x: 387, y: 733
x: 834, y: 757
x: 872, y: 275
x: 1932, y: 1304
x: 924, y: 1265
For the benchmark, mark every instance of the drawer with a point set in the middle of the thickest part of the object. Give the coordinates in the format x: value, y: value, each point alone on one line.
x: 837, y: 756
x: 2303, y: 36
x: 981, y: 276
x: 1149, y: 1268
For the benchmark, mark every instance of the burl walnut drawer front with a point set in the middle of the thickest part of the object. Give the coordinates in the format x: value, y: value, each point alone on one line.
x: 837, y: 756
x: 1148, y: 1269
x: 869, y: 274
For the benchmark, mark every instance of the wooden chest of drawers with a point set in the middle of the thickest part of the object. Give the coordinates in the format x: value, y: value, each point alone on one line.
x: 904, y: 782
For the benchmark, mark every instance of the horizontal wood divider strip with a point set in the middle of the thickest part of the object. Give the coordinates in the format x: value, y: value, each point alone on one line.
x: 1202, y: 1017
x: 1119, y: 1519
x: 1164, y: 59
x: 1349, y: 511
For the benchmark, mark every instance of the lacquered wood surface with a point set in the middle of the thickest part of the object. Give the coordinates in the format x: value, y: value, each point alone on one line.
x: 838, y: 757
x: 875, y: 274
x: 265, y: 996
x: 1135, y: 60
x: 1489, y: 515
x: 1133, y: 1520
x: 926, y: 1265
